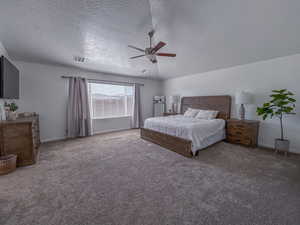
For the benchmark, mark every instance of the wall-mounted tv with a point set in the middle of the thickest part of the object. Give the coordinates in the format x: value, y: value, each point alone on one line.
x: 9, y: 79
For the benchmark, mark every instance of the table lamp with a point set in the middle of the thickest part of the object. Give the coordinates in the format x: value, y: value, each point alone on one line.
x: 242, y: 98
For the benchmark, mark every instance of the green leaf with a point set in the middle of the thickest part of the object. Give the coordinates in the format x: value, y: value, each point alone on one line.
x: 291, y: 99
x: 279, y: 91
x: 282, y: 103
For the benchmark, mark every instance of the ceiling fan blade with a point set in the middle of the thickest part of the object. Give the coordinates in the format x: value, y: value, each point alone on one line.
x: 158, y: 46
x: 166, y: 54
x: 136, y: 48
x: 136, y: 56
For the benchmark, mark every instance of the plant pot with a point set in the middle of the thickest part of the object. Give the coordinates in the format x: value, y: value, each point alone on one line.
x: 12, y: 115
x: 282, y: 145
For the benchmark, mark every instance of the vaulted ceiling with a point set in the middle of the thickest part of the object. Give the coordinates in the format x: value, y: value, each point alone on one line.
x: 205, y: 34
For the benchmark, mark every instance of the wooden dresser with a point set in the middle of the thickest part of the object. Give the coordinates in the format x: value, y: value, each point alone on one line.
x: 22, y: 138
x: 244, y: 132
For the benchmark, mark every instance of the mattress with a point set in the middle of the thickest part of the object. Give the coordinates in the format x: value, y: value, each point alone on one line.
x: 201, y: 132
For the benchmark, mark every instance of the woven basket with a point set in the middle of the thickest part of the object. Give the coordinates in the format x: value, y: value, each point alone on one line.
x: 7, y: 164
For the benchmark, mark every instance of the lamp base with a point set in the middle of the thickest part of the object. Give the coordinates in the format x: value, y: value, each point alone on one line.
x: 174, y: 108
x: 242, y: 112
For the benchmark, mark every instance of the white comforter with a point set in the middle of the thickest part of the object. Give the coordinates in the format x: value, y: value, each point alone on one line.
x: 200, y: 131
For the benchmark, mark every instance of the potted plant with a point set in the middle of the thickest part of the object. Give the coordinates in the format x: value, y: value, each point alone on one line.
x: 12, y: 110
x: 281, y: 103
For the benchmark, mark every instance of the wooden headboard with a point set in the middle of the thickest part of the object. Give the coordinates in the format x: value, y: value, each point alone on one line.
x: 221, y: 103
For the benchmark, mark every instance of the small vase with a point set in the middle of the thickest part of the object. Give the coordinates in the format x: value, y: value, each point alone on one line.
x: 282, y: 145
x: 12, y: 115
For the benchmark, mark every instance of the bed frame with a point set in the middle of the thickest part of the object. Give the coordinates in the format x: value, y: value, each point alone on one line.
x: 182, y: 146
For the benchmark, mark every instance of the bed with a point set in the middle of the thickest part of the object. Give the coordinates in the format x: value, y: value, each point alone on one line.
x: 187, y: 136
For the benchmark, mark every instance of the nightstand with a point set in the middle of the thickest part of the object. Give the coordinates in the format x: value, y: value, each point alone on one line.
x: 170, y: 113
x: 244, y: 132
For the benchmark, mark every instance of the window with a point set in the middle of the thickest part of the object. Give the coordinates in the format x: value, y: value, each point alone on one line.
x: 110, y: 100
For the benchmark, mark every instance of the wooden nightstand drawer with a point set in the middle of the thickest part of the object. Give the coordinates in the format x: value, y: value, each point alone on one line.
x: 237, y: 140
x: 243, y: 132
x: 239, y: 133
x: 236, y: 126
x: 239, y: 136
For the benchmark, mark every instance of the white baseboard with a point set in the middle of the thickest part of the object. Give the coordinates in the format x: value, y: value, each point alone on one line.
x: 94, y: 133
x: 53, y: 139
x: 109, y: 131
x: 269, y: 146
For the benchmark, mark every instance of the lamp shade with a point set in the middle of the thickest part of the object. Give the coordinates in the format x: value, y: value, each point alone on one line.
x: 174, y: 98
x: 243, y: 97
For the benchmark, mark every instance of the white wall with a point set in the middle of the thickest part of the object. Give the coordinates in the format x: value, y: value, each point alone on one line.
x: 45, y: 92
x: 258, y: 78
x: 3, y: 50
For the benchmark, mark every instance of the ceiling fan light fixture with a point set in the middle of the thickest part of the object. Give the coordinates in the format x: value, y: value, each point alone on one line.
x: 151, y: 52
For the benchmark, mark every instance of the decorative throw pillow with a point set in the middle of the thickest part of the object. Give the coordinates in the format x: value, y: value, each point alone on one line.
x: 207, y: 114
x: 191, y: 112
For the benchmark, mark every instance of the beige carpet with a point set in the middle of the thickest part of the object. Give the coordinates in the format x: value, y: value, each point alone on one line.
x: 119, y: 179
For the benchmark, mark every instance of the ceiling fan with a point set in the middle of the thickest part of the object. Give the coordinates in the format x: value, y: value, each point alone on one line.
x: 151, y: 52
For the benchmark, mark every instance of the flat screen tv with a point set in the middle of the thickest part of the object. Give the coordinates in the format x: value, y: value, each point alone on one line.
x: 9, y: 79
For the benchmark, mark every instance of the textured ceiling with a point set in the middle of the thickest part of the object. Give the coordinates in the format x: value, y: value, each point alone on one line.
x: 205, y: 34
x: 53, y: 31
x: 213, y: 34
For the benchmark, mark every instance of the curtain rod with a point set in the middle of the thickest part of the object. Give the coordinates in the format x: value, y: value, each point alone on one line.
x: 107, y: 81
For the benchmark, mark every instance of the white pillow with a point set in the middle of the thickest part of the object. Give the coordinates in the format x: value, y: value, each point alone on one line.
x: 207, y: 114
x: 191, y: 112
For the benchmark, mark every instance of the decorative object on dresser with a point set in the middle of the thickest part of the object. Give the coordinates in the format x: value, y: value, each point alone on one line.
x: 2, y: 112
x: 7, y: 164
x: 282, y: 103
x: 11, y: 109
x: 21, y: 137
x: 244, y: 132
x: 174, y: 100
x: 242, y: 98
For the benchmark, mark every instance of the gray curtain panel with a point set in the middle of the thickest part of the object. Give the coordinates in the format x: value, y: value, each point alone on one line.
x: 136, y: 115
x: 78, y: 109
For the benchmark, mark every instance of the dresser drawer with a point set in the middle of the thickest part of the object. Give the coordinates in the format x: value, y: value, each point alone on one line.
x: 14, y: 131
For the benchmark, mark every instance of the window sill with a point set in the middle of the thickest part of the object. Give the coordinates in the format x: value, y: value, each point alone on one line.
x: 111, y: 117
